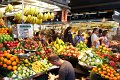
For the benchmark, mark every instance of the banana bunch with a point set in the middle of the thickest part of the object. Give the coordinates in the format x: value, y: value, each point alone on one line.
x: 52, y: 15
x: 40, y: 15
x: 9, y: 8
x: 1, y: 14
x: 45, y: 17
x: 18, y: 16
x: 39, y: 66
x: 58, y: 45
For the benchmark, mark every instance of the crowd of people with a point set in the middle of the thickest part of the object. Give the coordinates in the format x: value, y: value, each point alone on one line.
x: 93, y: 39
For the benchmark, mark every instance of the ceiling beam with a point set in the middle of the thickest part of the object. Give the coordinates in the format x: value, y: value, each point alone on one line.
x: 97, y: 5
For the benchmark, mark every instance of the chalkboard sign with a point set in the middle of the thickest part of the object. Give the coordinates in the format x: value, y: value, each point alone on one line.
x: 61, y: 1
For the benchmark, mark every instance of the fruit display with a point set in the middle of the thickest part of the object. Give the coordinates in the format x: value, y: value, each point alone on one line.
x: 11, y: 44
x: 70, y: 51
x: 58, y: 46
x: 40, y: 66
x: 81, y: 46
x: 113, y: 60
x: 9, y: 8
x: 2, y: 22
x: 22, y: 72
x: 4, y: 30
x: 107, y: 72
x: 32, y: 15
x: 30, y: 44
x: 18, y: 51
x: 89, y: 58
x: 5, y: 37
x: 103, y: 50
x: 8, y: 61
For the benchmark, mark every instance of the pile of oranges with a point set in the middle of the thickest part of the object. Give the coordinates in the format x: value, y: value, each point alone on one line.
x: 8, y: 61
x: 4, y: 30
x: 106, y: 72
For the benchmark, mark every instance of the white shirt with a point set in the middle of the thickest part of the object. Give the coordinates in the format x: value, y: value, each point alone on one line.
x: 94, y: 37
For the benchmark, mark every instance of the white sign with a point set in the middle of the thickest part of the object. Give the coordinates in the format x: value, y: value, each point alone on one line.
x: 25, y: 30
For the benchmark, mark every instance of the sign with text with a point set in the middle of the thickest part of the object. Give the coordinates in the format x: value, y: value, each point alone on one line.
x: 25, y: 30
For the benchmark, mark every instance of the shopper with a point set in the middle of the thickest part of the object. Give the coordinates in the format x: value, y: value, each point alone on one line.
x: 105, y: 38
x: 100, y: 32
x: 53, y: 36
x: 100, y: 35
x: 89, y: 42
x: 68, y: 35
x: 78, y: 38
x: 66, y: 71
x: 95, y: 39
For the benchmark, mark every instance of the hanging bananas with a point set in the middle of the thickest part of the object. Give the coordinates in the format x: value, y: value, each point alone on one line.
x: 9, y: 8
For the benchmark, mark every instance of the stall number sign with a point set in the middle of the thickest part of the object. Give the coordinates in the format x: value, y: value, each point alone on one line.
x: 25, y: 31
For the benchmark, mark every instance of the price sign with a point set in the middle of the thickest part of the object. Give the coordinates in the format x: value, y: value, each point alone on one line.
x: 25, y: 30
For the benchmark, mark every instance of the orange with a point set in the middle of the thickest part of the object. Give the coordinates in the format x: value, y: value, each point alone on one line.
x: 5, y: 60
x: 15, y: 57
x: 14, y: 67
x: 4, y: 65
x: 9, y: 67
x: 108, y: 70
x: 118, y: 77
x: 106, y: 77
x: 1, y: 58
x: 5, y: 54
x: 104, y: 72
x: 102, y: 75
x: 5, y: 51
x: 14, y: 63
x: 111, y: 75
x: 100, y: 72
x: 8, y: 62
x: 104, y: 69
x: 114, y: 78
x: 12, y: 59
x: 117, y: 74
x: 9, y: 56
x: 108, y: 74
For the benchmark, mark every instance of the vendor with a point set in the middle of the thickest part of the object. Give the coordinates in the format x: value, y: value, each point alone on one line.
x: 78, y: 38
x: 66, y: 71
